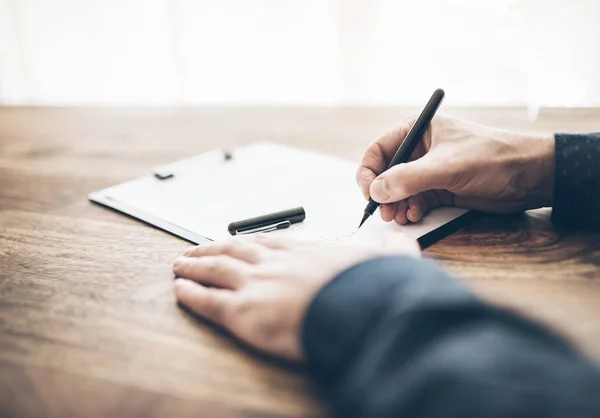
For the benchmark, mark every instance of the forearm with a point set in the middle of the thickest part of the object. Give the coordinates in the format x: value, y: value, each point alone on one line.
x: 398, y: 337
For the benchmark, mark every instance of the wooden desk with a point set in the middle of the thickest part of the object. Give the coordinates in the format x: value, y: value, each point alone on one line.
x: 88, y: 320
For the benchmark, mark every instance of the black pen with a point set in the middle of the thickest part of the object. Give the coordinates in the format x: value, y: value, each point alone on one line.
x: 410, y: 142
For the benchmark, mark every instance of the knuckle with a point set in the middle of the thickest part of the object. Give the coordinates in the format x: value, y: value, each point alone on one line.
x: 415, y: 200
x: 271, y: 241
x: 229, y: 247
x: 180, y: 267
x: 359, y: 175
x: 388, y: 184
x: 192, y: 251
x: 363, y: 179
x: 177, y: 269
x: 260, y: 238
x: 212, y: 265
x: 375, y: 153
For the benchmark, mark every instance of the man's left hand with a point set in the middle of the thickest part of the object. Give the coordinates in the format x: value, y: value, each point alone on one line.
x: 259, y: 286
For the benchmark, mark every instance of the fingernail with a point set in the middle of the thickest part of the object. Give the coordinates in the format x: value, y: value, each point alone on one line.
x: 378, y: 192
x: 188, y: 251
x: 414, y: 215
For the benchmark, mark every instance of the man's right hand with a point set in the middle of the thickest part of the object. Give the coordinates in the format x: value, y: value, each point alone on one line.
x: 458, y: 163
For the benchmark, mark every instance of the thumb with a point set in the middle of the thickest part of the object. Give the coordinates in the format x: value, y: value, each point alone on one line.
x: 408, y: 179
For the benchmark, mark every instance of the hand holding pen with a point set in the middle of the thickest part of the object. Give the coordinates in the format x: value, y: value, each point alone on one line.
x: 462, y: 164
x: 409, y: 143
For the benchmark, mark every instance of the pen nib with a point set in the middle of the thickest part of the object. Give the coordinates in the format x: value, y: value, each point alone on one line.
x: 365, y: 217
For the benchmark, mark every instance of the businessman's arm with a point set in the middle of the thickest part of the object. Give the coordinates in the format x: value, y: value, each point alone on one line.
x: 463, y: 164
x: 397, y: 337
x: 389, y: 336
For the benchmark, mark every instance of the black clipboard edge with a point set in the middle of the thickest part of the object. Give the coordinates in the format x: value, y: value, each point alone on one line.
x: 443, y: 231
x: 153, y: 221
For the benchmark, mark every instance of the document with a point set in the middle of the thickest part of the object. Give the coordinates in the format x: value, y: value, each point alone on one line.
x: 205, y: 193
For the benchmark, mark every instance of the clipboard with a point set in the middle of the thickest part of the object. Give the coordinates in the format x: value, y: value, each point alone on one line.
x: 198, y: 197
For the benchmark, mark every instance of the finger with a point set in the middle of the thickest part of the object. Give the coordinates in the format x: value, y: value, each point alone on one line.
x: 409, y: 179
x: 364, y: 178
x: 417, y: 208
x: 237, y: 247
x: 400, y: 217
x: 434, y: 199
x: 378, y: 154
x: 431, y: 201
x: 388, y: 211
x: 210, y: 303
x: 215, y: 270
x: 427, y: 201
x: 444, y: 197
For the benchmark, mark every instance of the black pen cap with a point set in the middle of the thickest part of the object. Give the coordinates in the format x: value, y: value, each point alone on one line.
x: 294, y: 215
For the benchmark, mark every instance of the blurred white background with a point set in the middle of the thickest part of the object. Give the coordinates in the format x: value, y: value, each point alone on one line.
x: 299, y: 52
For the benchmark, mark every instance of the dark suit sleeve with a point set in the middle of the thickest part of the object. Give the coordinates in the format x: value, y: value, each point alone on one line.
x: 577, y: 181
x: 397, y: 337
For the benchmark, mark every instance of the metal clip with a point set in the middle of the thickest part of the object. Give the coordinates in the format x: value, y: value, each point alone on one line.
x: 266, y: 228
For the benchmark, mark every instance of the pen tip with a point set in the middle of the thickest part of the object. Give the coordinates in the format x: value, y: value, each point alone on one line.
x: 365, y: 217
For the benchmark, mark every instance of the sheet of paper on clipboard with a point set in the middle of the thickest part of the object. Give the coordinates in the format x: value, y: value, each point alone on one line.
x: 198, y: 197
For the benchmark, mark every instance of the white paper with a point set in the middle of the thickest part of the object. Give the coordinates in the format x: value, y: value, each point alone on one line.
x: 207, y: 193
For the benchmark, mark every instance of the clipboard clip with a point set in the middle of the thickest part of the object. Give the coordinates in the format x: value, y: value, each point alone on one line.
x: 268, y: 223
x: 268, y: 228
x: 168, y: 171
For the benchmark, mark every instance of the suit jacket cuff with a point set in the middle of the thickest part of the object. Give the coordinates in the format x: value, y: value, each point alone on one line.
x: 577, y: 181
x: 343, y: 313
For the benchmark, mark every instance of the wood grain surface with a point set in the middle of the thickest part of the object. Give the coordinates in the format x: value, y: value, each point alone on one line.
x: 88, y: 321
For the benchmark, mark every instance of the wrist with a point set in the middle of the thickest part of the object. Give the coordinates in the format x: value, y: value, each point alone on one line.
x: 533, y: 160
x: 544, y: 164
